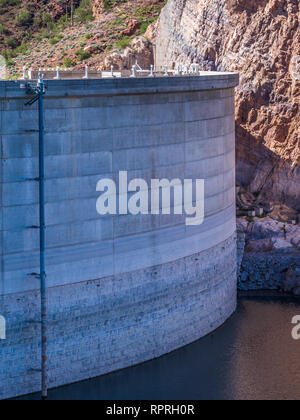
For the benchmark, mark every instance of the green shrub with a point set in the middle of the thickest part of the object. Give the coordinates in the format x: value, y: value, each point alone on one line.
x: 68, y: 62
x: 24, y: 18
x: 23, y: 48
x: 4, y: 30
x: 45, y: 33
x: 144, y: 27
x: 62, y: 21
x: 82, y: 55
x: 10, y: 62
x: 84, y: 12
x: 109, y: 4
x: 122, y: 43
x: 54, y: 41
x: 11, y: 42
x: 46, y: 19
x: 6, y: 3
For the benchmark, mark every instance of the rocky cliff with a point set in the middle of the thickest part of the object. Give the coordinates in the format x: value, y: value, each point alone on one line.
x: 99, y: 33
x: 261, y: 40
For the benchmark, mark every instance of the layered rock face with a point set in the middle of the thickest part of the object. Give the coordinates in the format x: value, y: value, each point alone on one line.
x: 261, y: 40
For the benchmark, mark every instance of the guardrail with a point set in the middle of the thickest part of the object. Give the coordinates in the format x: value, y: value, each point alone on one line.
x: 87, y: 73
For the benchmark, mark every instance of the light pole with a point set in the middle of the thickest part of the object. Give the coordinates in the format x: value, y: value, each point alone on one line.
x: 39, y: 91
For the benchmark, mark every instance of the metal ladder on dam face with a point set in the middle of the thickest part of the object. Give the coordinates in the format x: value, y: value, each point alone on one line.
x: 38, y: 91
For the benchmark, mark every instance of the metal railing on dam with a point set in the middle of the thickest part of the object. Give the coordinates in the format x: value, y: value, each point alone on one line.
x: 140, y: 222
x: 88, y: 73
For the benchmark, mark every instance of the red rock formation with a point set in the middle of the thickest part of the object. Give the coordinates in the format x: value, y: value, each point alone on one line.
x: 98, y: 8
x: 132, y: 26
x: 140, y: 50
x: 57, y: 8
x: 261, y: 40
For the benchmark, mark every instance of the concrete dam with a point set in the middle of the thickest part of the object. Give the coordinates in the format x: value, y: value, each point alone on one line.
x: 122, y: 288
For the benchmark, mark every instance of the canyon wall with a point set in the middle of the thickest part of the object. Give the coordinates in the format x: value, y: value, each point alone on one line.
x: 261, y: 40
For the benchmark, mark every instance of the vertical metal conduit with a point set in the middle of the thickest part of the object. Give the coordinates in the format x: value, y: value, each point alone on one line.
x: 39, y: 92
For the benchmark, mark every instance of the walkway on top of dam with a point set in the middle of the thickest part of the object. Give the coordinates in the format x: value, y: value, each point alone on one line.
x: 136, y: 72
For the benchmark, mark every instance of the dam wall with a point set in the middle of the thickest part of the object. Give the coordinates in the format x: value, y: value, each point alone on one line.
x: 122, y: 289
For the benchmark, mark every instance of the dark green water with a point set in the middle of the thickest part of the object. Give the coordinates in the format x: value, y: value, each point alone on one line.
x: 253, y: 356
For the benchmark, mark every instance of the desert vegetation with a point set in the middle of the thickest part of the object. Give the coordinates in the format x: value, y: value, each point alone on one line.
x: 51, y: 33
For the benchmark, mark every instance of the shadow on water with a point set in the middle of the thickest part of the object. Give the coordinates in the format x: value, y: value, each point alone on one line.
x: 252, y: 356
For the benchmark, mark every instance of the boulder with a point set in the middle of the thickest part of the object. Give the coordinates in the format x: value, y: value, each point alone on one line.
x: 140, y: 50
x: 132, y: 26
x: 242, y: 225
x: 261, y: 245
x: 278, y: 243
x: 292, y: 280
x: 296, y: 240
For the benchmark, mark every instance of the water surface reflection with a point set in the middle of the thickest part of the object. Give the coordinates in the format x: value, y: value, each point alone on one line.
x: 253, y: 356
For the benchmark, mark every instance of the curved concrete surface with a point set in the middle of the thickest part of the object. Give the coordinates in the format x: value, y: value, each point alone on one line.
x: 122, y: 289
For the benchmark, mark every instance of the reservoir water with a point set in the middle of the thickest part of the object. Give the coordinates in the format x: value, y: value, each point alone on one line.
x: 253, y: 356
